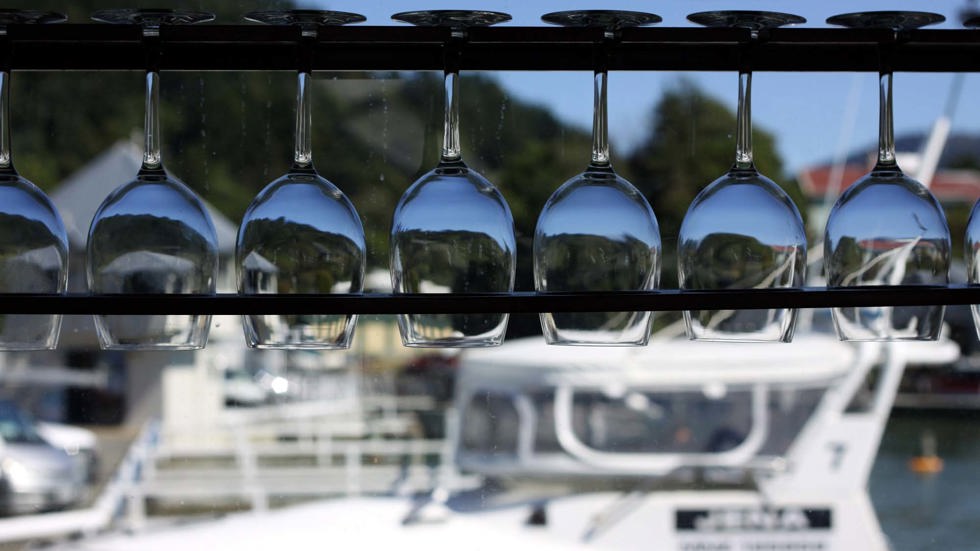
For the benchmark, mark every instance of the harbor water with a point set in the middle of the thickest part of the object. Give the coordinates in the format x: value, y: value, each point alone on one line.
x: 929, y: 512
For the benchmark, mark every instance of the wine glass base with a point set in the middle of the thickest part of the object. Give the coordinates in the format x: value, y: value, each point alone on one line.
x: 304, y: 17
x: 452, y: 18
x: 151, y: 17
x: 894, y: 20
x: 745, y: 19
x: 21, y: 17
x: 606, y: 19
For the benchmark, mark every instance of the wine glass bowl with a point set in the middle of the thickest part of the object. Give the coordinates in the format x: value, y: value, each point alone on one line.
x: 33, y: 241
x: 904, y: 241
x: 452, y: 230
x: 742, y: 231
x: 597, y: 232
x: 453, y: 233
x: 301, y: 234
x: 33, y: 259
x: 152, y: 235
x: 887, y: 228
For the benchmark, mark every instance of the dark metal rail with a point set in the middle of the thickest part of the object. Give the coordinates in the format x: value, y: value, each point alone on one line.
x: 369, y: 48
x: 665, y: 300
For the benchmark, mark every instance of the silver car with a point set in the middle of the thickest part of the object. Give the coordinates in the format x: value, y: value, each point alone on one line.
x: 34, y: 475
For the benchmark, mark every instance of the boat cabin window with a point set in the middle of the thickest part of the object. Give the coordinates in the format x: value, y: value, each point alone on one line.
x: 490, y: 425
x: 663, y: 422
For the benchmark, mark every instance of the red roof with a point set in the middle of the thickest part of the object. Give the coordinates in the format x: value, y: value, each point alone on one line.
x: 947, y: 185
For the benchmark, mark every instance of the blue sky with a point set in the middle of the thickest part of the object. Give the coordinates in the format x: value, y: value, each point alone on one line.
x: 805, y: 110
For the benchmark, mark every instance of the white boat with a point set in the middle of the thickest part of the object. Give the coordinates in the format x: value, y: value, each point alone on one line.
x: 677, y: 445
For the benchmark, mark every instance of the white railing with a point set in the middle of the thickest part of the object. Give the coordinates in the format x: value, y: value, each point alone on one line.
x: 258, y: 456
x: 339, y: 456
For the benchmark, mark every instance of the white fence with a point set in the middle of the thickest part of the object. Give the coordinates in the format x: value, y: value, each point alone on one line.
x: 256, y: 457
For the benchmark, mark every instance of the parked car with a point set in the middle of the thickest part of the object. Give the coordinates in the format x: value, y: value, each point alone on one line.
x: 243, y: 390
x: 35, y: 476
x: 80, y: 444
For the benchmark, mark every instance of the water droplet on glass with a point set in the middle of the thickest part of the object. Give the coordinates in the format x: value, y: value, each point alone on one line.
x: 384, y: 121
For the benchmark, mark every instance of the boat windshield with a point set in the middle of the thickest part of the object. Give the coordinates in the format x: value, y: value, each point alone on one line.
x: 712, y: 420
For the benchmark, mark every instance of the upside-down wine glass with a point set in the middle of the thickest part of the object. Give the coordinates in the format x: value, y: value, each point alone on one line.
x: 887, y: 228
x: 33, y: 241
x: 452, y: 230
x: 153, y: 234
x: 597, y: 232
x: 301, y: 234
x: 972, y: 241
x: 742, y: 231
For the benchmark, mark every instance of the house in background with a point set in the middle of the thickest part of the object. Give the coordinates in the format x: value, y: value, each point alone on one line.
x: 956, y: 180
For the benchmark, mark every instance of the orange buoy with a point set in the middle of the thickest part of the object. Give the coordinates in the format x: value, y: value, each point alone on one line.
x: 926, y: 464
x: 929, y: 462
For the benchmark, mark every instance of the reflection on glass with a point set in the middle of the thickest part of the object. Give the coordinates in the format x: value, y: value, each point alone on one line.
x: 742, y: 231
x: 301, y: 234
x: 887, y: 229
x: 153, y: 234
x: 452, y: 230
x: 33, y: 242
x: 597, y: 232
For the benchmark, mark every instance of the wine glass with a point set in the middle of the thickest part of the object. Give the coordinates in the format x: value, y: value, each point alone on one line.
x: 33, y: 241
x: 742, y: 231
x: 452, y: 230
x: 301, y: 234
x: 597, y: 232
x: 972, y: 241
x: 153, y: 234
x: 887, y: 229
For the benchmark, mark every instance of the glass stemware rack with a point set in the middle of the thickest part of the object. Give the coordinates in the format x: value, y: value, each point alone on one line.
x: 241, y: 47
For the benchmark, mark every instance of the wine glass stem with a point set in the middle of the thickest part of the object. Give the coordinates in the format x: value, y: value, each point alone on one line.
x: 450, y: 137
x: 5, y: 162
x: 600, y: 122
x: 743, y: 134
x: 303, y: 155
x: 151, y: 138
x: 886, y: 132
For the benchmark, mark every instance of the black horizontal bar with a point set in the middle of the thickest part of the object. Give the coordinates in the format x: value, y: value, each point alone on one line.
x: 257, y: 47
x: 526, y: 302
